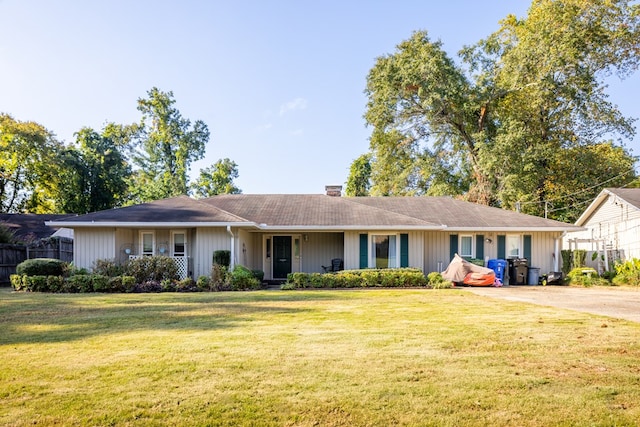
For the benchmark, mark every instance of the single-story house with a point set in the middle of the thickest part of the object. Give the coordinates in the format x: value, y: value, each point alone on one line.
x: 610, y: 227
x: 284, y: 233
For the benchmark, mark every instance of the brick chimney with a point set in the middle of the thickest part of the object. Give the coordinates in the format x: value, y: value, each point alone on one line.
x: 333, y: 190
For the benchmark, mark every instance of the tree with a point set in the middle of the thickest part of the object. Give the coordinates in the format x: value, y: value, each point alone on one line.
x: 359, y: 180
x: 496, y: 129
x: 27, y: 159
x: 217, y: 179
x: 169, y: 143
x: 93, y: 174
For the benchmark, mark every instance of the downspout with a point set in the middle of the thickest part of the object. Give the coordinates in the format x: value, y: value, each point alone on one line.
x: 232, y: 258
x: 558, y: 252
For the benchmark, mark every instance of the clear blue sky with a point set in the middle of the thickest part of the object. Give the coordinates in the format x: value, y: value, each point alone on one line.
x: 279, y: 83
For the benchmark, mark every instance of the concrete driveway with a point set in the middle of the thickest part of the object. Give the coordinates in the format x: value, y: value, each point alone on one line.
x: 621, y: 303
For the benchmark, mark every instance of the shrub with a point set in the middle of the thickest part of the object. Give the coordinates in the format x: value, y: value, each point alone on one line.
x: 128, y: 283
x: 186, y: 285
x: 586, y: 277
x: 79, y: 283
x: 203, y: 283
x: 100, y: 283
x: 37, y: 283
x: 389, y: 277
x: 16, y: 282
x: 115, y: 284
x: 55, y: 283
x: 168, y: 286
x: 218, y: 277
x: 152, y: 268
x: 258, y: 274
x: 222, y: 257
x: 41, y: 267
x: 107, y: 267
x: 579, y: 258
x: 148, y: 286
x: 627, y: 273
x: 241, y: 279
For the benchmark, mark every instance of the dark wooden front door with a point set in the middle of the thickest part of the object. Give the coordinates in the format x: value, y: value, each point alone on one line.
x: 281, y: 256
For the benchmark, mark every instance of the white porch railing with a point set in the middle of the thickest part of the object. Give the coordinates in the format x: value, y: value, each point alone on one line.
x: 182, y: 262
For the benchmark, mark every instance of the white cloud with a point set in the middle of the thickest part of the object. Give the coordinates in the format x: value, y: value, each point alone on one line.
x: 293, y: 105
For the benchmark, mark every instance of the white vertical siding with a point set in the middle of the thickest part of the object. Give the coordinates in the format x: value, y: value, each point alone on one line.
x: 207, y: 241
x: 615, y: 222
x: 124, y: 239
x: 91, y: 244
x: 416, y: 249
x: 319, y: 249
x: 436, y: 251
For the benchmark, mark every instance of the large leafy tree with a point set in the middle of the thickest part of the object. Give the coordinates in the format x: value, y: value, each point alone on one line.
x: 359, y: 180
x: 93, y: 173
x: 168, y: 145
x: 217, y: 179
x: 500, y: 128
x: 27, y: 158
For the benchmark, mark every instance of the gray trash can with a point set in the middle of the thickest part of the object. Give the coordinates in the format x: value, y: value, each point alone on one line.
x: 534, y: 276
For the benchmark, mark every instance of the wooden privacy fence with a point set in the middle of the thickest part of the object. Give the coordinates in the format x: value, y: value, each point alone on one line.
x: 11, y: 255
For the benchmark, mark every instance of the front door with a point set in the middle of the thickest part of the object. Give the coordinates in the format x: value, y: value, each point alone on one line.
x: 281, y: 256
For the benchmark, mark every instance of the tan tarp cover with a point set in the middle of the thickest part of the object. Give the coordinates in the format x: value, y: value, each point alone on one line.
x: 459, y: 268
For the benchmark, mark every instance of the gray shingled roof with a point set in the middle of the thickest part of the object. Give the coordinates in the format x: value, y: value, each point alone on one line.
x: 307, y: 211
x: 458, y: 214
x: 312, y: 210
x: 177, y: 209
x: 25, y: 226
x: 629, y: 195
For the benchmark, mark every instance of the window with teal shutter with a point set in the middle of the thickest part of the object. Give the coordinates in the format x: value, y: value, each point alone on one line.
x: 480, y: 246
x: 526, y: 250
x: 404, y: 250
x: 453, y: 245
x: 502, y: 246
x: 364, y: 255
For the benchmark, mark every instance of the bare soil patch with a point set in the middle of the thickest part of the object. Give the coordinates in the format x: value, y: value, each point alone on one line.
x: 620, y: 303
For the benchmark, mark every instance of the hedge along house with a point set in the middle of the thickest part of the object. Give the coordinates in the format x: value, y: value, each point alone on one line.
x: 286, y: 233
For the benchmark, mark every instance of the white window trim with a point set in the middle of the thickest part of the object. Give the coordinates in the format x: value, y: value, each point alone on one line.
x: 473, y: 246
x: 506, y: 245
x: 153, y: 241
x: 173, y: 246
x: 372, y: 255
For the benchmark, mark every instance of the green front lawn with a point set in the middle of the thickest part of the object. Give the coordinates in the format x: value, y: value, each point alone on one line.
x: 348, y: 357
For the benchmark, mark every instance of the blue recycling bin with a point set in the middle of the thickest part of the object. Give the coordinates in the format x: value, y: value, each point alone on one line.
x: 499, y: 266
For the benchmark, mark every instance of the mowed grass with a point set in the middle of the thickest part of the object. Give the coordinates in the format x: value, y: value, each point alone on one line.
x: 303, y: 358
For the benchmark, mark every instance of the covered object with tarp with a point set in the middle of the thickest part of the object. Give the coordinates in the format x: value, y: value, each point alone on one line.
x: 462, y: 271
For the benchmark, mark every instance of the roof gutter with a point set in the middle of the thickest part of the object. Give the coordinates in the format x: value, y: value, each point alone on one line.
x: 97, y: 224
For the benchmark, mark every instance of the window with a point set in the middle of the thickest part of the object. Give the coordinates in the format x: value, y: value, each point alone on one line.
x: 147, y: 243
x: 512, y: 246
x: 384, y: 251
x: 179, y: 246
x: 466, y: 246
x: 296, y: 247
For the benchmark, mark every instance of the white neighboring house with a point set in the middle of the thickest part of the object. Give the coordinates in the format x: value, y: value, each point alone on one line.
x: 612, y: 223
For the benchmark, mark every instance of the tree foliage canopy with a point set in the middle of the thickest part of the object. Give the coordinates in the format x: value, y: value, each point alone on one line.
x: 217, y: 179
x: 508, y: 121
x: 169, y: 144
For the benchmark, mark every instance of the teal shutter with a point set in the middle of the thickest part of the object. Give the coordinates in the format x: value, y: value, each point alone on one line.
x: 526, y: 250
x: 404, y: 250
x: 502, y: 247
x: 480, y: 246
x: 453, y: 245
x: 364, y: 254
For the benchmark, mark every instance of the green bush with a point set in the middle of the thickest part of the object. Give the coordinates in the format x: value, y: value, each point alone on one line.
x: 128, y: 283
x: 241, y: 279
x: 627, y: 273
x: 186, y: 285
x: 16, y: 282
x: 107, y: 267
x: 579, y: 258
x: 79, y: 283
x: 41, y: 267
x: 55, y: 284
x: 586, y: 277
x: 222, y: 257
x: 218, y: 277
x: 203, y: 283
x: 100, y: 283
x: 152, y: 268
x: 388, y: 277
x: 566, y: 261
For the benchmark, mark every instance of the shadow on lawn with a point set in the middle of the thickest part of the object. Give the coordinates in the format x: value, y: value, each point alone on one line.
x: 47, y: 318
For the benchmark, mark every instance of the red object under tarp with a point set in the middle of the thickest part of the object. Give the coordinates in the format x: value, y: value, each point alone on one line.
x: 480, y: 279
